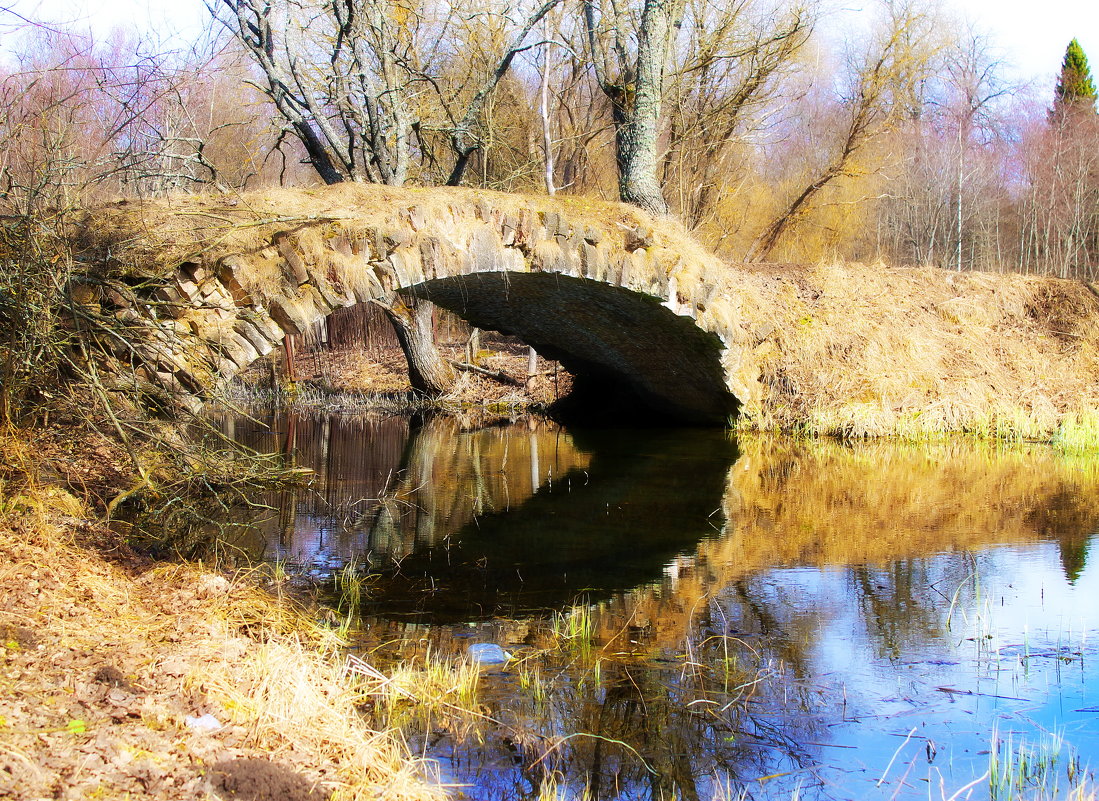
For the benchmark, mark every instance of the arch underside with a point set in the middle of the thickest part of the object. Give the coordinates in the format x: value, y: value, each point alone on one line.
x: 630, y: 356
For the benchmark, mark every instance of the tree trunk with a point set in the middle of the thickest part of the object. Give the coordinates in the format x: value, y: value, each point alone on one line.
x: 428, y: 372
x: 636, y: 96
x: 637, y: 139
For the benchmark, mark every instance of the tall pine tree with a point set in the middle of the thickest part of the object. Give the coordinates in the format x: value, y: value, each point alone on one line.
x: 1075, y: 87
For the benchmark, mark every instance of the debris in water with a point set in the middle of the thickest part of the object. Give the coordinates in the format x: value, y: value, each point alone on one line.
x: 487, y: 653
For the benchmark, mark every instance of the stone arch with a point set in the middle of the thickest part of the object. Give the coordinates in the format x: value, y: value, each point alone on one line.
x: 640, y: 294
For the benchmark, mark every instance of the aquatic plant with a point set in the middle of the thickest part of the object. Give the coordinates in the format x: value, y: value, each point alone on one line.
x: 1018, y: 768
x: 573, y: 629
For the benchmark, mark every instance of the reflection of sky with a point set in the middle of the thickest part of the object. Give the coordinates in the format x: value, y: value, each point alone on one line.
x: 921, y: 604
x: 1020, y: 658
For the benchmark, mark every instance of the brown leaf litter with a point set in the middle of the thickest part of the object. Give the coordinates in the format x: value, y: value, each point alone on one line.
x: 106, y: 673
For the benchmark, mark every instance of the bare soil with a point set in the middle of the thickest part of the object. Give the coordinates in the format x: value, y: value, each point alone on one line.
x: 110, y: 661
x: 382, y: 370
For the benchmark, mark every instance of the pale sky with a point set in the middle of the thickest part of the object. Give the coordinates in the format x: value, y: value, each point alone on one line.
x: 1030, y: 36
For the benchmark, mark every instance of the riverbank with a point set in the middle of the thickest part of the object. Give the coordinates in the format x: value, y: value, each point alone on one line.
x: 125, y: 677
x: 492, y: 380
x: 854, y: 350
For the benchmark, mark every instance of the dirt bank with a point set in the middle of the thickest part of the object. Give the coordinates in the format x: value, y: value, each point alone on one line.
x: 868, y: 350
x: 124, y: 678
x: 371, y: 376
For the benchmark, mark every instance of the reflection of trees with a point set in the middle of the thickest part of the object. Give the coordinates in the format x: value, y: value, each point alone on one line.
x: 1074, y: 556
x: 449, y: 477
x: 899, y: 608
x: 900, y: 522
x: 881, y: 508
x: 652, y: 731
x: 386, y: 486
x: 1062, y: 519
x: 472, y: 512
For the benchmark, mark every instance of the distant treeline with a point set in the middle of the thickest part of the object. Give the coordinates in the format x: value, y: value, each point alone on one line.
x: 771, y: 139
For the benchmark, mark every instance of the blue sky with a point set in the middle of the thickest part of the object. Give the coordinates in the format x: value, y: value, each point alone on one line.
x: 1029, y: 36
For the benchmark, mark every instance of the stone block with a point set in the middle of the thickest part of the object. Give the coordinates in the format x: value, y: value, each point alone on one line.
x: 509, y: 228
x: 293, y: 315
x: 259, y: 319
x: 332, y: 297
x: 640, y: 237
x: 258, y: 340
x: 417, y: 218
x: 392, y: 239
x: 193, y: 271
x: 431, y: 258
x: 552, y: 222
x: 288, y: 249
x: 405, y: 267
x: 342, y: 245
x: 487, y: 213
x: 593, y: 261
x: 229, y: 270
x: 485, y: 250
x: 239, y: 349
x: 186, y: 288
x: 366, y: 285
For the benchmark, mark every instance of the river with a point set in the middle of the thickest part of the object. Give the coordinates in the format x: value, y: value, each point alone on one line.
x: 694, y: 616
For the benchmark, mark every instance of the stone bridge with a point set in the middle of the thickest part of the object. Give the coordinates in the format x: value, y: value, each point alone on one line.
x: 206, y: 285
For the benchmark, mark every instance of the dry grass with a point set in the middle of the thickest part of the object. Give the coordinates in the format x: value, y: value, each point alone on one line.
x: 847, y: 350
x: 855, y: 350
x: 184, y: 642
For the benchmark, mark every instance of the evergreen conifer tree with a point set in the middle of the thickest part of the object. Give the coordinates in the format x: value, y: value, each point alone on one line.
x: 1075, y: 87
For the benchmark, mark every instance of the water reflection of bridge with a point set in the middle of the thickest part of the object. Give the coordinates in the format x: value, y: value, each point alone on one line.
x: 677, y: 517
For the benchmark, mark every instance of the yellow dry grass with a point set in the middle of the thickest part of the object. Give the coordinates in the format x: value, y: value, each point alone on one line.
x: 188, y: 642
x: 866, y: 350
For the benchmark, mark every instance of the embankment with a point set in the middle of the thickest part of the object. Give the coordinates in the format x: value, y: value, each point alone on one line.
x: 210, y: 284
x: 867, y: 350
x: 111, y: 663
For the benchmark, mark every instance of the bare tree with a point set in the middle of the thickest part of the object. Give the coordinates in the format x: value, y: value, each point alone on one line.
x: 730, y: 57
x: 356, y: 81
x: 338, y: 74
x: 884, y: 91
x: 945, y: 201
x: 632, y: 78
x: 464, y: 139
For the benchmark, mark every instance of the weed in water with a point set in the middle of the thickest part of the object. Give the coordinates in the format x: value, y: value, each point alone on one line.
x: 418, y: 691
x: 1020, y: 769
x: 533, y: 683
x: 573, y: 629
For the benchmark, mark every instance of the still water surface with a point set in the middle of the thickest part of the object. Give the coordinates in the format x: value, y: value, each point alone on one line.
x: 766, y: 618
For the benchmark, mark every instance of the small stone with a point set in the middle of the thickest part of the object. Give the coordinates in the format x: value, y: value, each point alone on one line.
x: 206, y: 724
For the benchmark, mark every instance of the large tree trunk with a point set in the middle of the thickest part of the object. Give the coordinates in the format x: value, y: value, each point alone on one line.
x: 637, y: 139
x: 636, y: 96
x: 428, y: 372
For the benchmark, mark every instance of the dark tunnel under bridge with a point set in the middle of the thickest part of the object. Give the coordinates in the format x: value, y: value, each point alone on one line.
x: 630, y: 356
